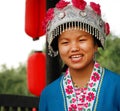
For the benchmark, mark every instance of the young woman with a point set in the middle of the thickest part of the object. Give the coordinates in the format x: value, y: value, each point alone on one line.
x: 74, y: 32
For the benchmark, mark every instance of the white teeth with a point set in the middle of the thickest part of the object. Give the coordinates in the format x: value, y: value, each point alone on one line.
x: 76, y: 56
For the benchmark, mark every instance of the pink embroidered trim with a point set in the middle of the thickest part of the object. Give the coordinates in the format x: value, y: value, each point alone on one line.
x: 82, y: 98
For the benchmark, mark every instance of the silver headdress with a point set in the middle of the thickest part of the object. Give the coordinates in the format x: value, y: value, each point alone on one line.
x: 66, y: 16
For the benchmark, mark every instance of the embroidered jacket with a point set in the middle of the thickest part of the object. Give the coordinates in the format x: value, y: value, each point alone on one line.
x: 53, y: 97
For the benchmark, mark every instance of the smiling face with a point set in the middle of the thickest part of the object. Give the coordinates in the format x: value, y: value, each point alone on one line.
x: 76, y: 49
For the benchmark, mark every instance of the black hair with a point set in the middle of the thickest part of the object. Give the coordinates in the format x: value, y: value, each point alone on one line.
x: 97, y: 42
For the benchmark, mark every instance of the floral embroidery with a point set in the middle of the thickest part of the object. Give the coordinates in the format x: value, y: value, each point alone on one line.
x: 82, y: 99
x: 97, y: 65
x: 69, y: 89
x: 90, y: 96
x: 69, y: 81
x: 73, y: 100
x: 72, y: 108
x: 91, y: 84
x: 95, y: 76
x: 86, y: 105
x: 61, y: 4
x: 79, y: 4
x: 95, y: 7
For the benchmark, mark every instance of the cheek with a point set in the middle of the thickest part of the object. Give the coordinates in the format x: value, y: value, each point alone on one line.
x: 85, y: 46
x: 88, y: 47
x: 62, y: 50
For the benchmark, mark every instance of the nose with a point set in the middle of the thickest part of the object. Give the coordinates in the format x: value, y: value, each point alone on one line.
x: 75, y: 47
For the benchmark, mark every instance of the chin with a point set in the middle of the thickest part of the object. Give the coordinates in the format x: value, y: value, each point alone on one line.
x: 77, y: 67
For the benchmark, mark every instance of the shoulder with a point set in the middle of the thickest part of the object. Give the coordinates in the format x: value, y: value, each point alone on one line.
x: 112, y: 75
x: 109, y: 90
x: 52, y: 87
x: 51, y: 97
x: 112, y: 84
x: 111, y: 78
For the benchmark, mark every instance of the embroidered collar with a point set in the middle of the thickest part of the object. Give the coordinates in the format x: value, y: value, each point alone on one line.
x: 78, y: 99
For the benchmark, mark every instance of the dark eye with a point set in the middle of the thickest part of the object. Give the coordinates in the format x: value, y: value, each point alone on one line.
x: 64, y: 42
x: 82, y: 40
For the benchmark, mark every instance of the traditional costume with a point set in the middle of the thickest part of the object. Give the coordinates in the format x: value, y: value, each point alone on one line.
x: 102, y: 92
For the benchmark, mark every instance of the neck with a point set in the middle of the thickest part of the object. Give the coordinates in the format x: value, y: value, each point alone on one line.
x: 82, y: 76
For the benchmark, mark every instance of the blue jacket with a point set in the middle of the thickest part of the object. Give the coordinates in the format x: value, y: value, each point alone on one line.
x: 108, y: 98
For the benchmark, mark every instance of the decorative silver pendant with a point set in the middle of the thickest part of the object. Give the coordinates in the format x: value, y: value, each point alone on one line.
x: 61, y: 15
x: 83, y: 13
x: 100, y: 23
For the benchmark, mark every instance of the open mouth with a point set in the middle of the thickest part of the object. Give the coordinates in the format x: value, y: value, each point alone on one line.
x: 76, y: 58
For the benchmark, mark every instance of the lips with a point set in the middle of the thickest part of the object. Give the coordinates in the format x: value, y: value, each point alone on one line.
x: 76, y: 58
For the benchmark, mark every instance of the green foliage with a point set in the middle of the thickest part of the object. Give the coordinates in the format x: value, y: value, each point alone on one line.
x: 13, y: 81
x: 110, y: 56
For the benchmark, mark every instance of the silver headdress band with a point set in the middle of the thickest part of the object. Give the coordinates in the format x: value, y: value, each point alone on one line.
x: 72, y: 17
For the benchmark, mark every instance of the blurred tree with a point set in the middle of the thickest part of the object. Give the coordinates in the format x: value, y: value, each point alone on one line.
x: 13, y: 81
x: 110, y: 56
